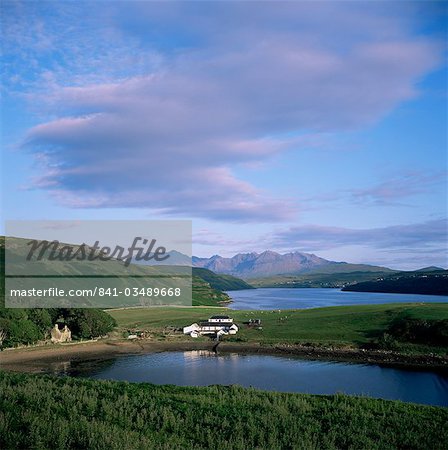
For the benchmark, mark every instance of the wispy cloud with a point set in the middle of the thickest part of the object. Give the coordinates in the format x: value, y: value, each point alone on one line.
x: 422, y: 236
x: 168, y: 135
x: 399, y: 187
x: 393, y: 191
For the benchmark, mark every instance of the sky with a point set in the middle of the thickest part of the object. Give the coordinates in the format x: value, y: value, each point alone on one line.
x: 290, y: 126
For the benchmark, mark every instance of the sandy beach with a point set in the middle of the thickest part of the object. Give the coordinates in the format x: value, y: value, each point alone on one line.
x: 23, y: 359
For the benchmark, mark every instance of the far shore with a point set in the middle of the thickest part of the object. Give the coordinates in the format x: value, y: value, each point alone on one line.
x: 40, y: 358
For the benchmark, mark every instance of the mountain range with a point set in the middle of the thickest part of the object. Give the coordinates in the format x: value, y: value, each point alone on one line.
x: 268, y: 263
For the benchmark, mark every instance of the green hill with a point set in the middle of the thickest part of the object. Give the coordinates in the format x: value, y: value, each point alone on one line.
x: 316, y: 279
x: 207, y: 287
x: 343, y: 267
x: 417, y: 282
x: 430, y: 269
x: 205, y: 295
x: 221, y: 282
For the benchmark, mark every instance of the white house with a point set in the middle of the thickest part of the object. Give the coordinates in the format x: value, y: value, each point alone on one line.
x: 192, y: 330
x: 218, y: 325
x: 220, y: 319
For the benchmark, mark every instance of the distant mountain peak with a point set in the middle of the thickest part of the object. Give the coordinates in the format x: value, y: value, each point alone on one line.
x: 269, y: 263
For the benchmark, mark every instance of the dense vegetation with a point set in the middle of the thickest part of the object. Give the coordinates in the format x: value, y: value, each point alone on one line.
x: 42, y: 412
x: 221, y: 282
x: 357, y: 325
x: 27, y: 326
x: 420, y: 331
x: 20, y: 326
x: 418, y: 282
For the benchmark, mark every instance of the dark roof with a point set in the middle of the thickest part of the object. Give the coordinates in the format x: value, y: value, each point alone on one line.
x: 215, y: 324
x: 220, y: 317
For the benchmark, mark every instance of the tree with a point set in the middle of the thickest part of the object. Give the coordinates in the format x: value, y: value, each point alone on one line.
x: 3, y: 335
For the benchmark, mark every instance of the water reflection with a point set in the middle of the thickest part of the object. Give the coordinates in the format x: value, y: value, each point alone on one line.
x: 286, y: 374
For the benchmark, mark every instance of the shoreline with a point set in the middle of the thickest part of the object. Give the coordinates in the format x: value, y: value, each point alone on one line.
x: 39, y: 359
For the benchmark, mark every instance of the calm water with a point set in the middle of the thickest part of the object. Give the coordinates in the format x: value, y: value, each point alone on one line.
x: 290, y: 298
x: 277, y: 373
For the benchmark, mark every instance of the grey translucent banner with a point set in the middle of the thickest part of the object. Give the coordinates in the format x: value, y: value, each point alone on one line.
x: 97, y: 264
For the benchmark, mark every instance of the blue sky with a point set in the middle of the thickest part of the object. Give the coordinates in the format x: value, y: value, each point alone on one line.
x: 318, y: 127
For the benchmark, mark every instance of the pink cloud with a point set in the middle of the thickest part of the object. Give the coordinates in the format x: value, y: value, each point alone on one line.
x: 169, y: 138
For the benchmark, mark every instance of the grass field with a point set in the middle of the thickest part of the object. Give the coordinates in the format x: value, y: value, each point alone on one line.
x: 342, y: 325
x: 42, y: 412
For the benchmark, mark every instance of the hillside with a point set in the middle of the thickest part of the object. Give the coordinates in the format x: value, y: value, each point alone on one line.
x: 204, y: 291
x: 418, y: 282
x: 269, y: 263
x: 315, y: 280
x: 221, y: 282
x: 205, y: 295
x: 430, y: 269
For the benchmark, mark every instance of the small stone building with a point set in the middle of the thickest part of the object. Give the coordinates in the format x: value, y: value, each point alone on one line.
x: 57, y: 335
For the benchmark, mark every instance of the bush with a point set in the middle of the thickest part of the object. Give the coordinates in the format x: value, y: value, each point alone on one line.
x: 429, y: 332
x: 387, y: 342
x: 27, y: 326
x: 41, y: 318
x: 19, y: 332
x: 88, y: 323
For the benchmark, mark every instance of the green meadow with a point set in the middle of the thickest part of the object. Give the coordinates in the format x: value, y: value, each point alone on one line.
x: 343, y: 325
